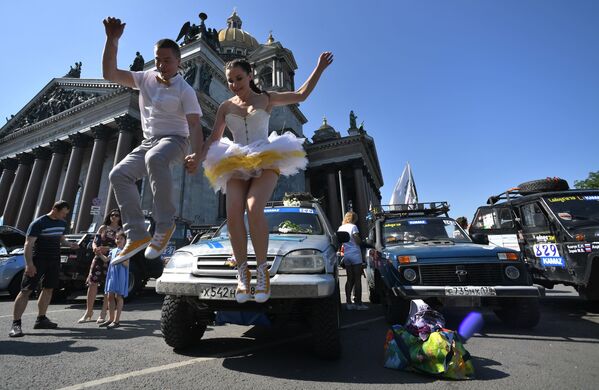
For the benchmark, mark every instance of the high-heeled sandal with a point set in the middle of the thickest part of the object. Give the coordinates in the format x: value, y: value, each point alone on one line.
x: 85, y: 318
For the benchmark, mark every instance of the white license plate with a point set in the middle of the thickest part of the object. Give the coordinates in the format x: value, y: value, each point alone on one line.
x: 220, y: 292
x: 471, y: 291
x: 64, y: 259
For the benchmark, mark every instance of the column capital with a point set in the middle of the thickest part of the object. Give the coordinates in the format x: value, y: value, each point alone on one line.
x: 102, y: 132
x: 59, y: 147
x: 79, y: 140
x: 41, y: 153
x: 127, y: 123
x: 25, y: 158
x: 10, y: 163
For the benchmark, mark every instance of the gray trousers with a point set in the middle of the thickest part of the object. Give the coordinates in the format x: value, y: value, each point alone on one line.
x: 153, y: 158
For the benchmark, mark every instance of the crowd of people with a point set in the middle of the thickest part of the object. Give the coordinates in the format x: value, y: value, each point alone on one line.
x: 246, y: 168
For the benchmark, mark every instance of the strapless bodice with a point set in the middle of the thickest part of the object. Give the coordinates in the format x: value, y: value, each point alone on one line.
x: 250, y: 128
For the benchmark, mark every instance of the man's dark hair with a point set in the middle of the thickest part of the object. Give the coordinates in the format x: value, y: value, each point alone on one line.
x: 61, y: 204
x: 169, y: 44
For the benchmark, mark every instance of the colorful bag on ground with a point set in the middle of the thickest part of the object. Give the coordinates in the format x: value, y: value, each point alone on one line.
x: 441, y: 354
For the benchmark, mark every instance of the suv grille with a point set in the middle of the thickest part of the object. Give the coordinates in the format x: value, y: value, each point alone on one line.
x: 215, y: 266
x: 462, y: 275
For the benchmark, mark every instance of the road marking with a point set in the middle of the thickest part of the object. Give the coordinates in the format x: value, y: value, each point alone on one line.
x: 171, y: 366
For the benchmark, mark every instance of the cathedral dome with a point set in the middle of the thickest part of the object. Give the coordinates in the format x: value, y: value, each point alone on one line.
x: 235, y: 38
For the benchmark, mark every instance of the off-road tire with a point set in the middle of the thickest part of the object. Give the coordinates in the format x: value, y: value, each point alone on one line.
x: 14, y: 288
x: 523, y: 313
x: 325, y: 320
x: 590, y: 292
x: 395, y: 309
x: 179, y: 323
x: 548, y: 184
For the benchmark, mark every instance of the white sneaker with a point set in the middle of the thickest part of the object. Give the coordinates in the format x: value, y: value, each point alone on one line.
x: 262, y: 283
x: 361, y: 306
x: 159, y: 243
x: 350, y: 306
x: 242, y: 294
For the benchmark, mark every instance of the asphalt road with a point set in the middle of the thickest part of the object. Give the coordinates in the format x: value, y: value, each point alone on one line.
x: 562, y: 352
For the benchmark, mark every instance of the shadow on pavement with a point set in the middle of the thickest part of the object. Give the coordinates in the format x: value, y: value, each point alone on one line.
x: 25, y: 347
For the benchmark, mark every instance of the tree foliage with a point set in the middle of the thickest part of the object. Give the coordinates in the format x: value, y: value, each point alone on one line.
x: 590, y: 182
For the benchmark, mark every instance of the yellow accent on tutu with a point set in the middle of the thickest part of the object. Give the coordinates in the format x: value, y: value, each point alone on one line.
x: 263, y: 160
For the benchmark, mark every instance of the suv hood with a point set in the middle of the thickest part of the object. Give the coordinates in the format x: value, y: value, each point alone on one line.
x: 278, y: 245
x: 437, y: 251
x: 11, y: 237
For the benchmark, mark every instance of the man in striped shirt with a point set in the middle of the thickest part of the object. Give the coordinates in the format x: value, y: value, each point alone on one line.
x: 42, y: 257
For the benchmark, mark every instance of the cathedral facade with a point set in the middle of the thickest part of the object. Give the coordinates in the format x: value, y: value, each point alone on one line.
x: 64, y: 142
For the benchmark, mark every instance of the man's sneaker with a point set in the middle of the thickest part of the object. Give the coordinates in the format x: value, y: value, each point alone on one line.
x: 131, y: 248
x: 350, y: 306
x: 159, y: 243
x: 15, y: 331
x: 361, y: 306
x: 243, y: 292
x: 262, y: 283
x: 44, y: 323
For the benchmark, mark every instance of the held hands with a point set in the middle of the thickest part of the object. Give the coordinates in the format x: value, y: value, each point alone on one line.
x: 192, y: 162
x: 324, y: 60
x: 113, y: 27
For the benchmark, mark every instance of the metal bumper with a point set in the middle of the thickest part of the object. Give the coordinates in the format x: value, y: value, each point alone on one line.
x: 469, y: 291
x: 281, y: 286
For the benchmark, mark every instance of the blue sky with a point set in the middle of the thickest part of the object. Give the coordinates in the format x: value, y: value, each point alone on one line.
x: 477, y: 95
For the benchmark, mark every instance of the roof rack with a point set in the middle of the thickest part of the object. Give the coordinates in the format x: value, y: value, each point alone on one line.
x: 507, y: 195
x: 412, y: 209
x: 280, y: 203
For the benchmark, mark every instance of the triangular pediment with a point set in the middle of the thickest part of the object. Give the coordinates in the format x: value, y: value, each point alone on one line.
x: 58, y: 96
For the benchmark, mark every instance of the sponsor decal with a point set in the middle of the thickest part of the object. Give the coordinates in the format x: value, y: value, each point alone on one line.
x: 587, y: 247
x: 418, y: 222
x: 544, y: 238
x: 213, y: 245
x: 565, y: 216
x: 591, y: 197
x: 390, y: 225
x: 448, y: 221
x: 595, y: 246
x: 545, y: 250
x: 290, y: 210
x: 553, y: 262
x: 563, y: 199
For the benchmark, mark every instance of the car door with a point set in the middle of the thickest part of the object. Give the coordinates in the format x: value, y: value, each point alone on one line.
x: 497, y: 223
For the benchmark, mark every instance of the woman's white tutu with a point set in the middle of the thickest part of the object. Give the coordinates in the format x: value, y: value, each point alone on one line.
x: 227, y: 160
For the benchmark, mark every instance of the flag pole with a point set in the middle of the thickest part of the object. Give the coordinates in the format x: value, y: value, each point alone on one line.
x: 341, y: 193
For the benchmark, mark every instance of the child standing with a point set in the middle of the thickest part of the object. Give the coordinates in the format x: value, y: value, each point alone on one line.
x: 117, y: 283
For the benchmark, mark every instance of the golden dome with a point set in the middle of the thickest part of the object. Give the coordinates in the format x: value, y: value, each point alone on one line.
x: 234, y: 36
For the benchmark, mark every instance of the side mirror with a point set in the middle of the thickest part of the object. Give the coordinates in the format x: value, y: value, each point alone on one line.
x: 342, y: 237
x: 479, y: 238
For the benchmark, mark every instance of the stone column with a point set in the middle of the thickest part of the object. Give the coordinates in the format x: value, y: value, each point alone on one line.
x: 127, y: 127
x: 94, y: 175
x: 71, y: 180
x: 32, y: 193
x: 59, y: 150
x: 333, y: 200
x: 361, y: 204
x: 8, y: 175
x: 13, y: 202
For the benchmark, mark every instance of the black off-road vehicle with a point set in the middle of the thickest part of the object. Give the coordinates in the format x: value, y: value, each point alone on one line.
x: 555, y: 228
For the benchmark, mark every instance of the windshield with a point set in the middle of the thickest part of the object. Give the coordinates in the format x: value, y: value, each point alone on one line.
x: 286, y: 220
x: 576, y: 210
x: 424, y: 229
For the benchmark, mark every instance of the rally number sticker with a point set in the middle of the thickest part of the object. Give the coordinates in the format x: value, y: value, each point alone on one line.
x: 546, y: 250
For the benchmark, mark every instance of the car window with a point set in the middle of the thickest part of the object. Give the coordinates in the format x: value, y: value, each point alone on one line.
x: 493, y: 218
x: 414, y: 230
x: 287, y: 220
x: 533, y: 216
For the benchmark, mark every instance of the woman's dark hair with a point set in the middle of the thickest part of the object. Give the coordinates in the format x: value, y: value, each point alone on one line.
x: 107, y: 218
x: 169, y: 44
x: 247, y: 68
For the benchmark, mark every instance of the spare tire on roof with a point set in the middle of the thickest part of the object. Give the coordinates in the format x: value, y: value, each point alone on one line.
x: 548, y: 184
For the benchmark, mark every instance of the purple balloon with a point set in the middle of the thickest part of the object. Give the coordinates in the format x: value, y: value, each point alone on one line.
x: 471, y: 324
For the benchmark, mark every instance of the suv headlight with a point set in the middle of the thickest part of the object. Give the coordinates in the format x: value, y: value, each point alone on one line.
x: 180, y: 260
x: 305, y: 261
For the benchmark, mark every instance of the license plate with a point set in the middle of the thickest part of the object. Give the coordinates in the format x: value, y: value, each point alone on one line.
x: 471, y: 291
x: 220, y: 292
x: 64, y: 259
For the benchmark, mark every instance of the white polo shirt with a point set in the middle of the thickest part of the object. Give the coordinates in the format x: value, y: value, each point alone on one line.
x: 163, y: 109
